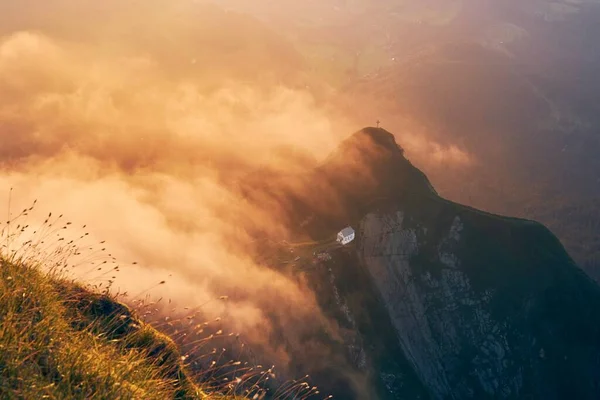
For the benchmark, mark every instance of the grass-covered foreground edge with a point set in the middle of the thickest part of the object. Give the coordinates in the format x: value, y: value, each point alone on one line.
x: 59, y: 340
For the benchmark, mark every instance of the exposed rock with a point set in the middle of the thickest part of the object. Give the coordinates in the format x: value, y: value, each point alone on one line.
x: 483, y: 306
x: 442, y: 301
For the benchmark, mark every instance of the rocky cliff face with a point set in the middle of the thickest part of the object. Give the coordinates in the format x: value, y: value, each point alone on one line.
x: 441, y: 301
x: 516, y: 333
x: 483, y: 306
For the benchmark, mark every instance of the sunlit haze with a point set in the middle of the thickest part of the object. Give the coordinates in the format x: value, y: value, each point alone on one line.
x: 139, y: 120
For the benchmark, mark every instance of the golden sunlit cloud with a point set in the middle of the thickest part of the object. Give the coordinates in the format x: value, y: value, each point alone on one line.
x: 433, y: 153
x: 148, y: 160
x: 143, y: 162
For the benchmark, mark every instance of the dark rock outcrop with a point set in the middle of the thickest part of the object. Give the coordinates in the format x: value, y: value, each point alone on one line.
x: 435, y: 300
x: 482, y: 306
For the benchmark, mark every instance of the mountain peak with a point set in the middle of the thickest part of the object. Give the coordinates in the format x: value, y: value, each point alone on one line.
x: 454, y: 288
x: 370, y: 163
x: 373, y: 137
x: 379, y: 136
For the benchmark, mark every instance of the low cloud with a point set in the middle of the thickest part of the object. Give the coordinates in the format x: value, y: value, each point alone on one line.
x: 149, y: 162
x: 149, y: 165
x: 434, y: 154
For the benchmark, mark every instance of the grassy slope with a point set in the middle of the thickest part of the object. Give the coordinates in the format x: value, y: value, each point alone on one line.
x: 60, y: 341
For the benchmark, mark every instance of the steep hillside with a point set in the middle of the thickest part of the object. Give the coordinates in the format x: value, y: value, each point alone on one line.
x: 439, y: 300
x: 61, y: 341
x: 483, y: 306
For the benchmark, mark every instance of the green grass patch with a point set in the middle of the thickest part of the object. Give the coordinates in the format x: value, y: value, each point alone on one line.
x: 60, y: 341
